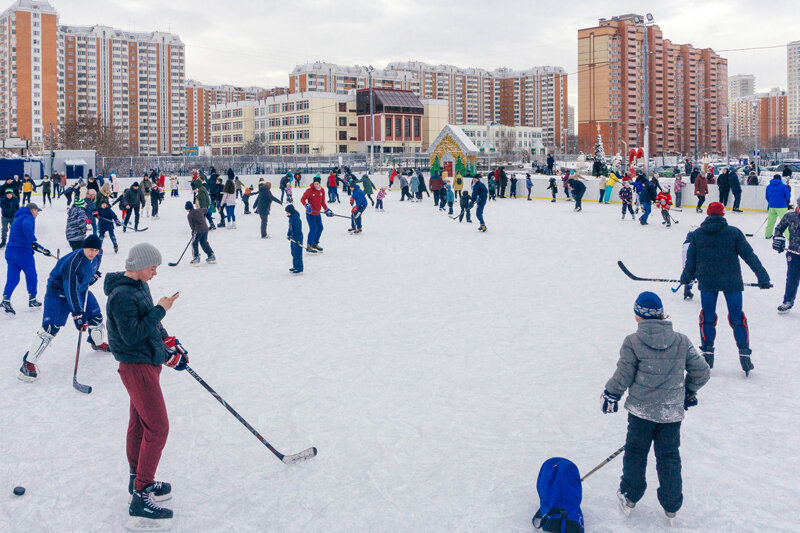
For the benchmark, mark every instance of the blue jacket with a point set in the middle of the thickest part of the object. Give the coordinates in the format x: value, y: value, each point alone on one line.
x: 104, y: 216
x: 713, y: 257
x: 358, y: 197
x: 777, y: 194
x: 479, y: 193
x: 295, y: 227
x: 71, y: 276
x: 9, y: 206
x: 450, y: 196
x: 22, y: 234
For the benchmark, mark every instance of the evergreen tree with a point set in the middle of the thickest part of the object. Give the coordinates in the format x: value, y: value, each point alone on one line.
x: 436, y: 166
x: 599, y: 153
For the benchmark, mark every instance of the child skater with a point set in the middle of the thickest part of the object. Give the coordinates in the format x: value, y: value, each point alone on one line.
x: 664, y: 201
x: 553, y: 188
x: 465, y: 209
x: 379, y: 199
x: 107, y: 219
x: 626, y: 195
x: 295, y: 236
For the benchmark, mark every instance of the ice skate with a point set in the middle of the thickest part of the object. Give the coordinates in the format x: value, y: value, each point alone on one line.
x: 28, y: 371
x: 708, y: 354
x: 195, y: 261
x: 160, y: 490
x: 310, y: 249
x: 317, y: 247
x: 744, y: 360
x: 7, y: 308
x: 625, y: 505
x: 116, y: 248
x: 785, y: 307
x: 33, y: 302
x: 670, y: 518
x: 145, y: 514
x: 211, y: 259
x: 295, y: 271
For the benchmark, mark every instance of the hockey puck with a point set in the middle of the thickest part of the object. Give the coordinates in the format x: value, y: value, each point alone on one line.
x: 19, y: 491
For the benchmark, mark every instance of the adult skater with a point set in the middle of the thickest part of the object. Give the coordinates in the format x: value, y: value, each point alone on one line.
x: 778, y: 198
x: 295, y: 236
x: 647, y: 196
x: 359, y: 203
x: 203, y: 199
x: 19, y: 256
x: 333, y: 187
x: 678, y: 187
x: 197, y: 223
x: 529, y: 185
x: 662, y: 373
x: 736, y: 190
x: 283, y: 183
x: 435, y: 184
x: 550, y: 163
x: 713, y: 258
x: 789, y: 223
x: 314, y: 201
x: 479, y: 197
x: 262, y: 205
x: 68, y: 294
x: 724, y: 186
x: 75, y: 230
x: 140, y: 343
x: 28, y: 188
x: 578, y: 190
x: 8, y: 206
x: 368, y: 186
x: 133, y: 201
x: 46, y: 188
x: 700, y: 190
x: 404, y: 188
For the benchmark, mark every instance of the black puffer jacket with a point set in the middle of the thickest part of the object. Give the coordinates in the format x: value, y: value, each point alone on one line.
x: 790, y: 221
x: 135, y: 334
x: 713, y: 257
x: 134, y: 198
x: 264, y: 201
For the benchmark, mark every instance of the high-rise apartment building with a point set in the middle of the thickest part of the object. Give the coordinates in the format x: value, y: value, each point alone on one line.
x: 765, y: 113
x: 28, y: 70
x: 687, y: 92
x: 535, y: 97
x: 741, y: 85
x: 133, y: 81
x: 793, y: 87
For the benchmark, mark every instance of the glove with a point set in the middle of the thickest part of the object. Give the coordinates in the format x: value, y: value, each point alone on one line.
x: 354, y: 210
x: 328, y: 213
x: 177, y: 356
x: 352, y: 201
x: 764, y: 284
x: 80, y: 322
x: 308, y: 208
x: 690, y: 400
x: 95, y: 214
x: 118, y: 223
x: 610, y: 401
x: 685, y: 279
x: 779, y: 243
x: 41, y: 249
x: 97, y: 276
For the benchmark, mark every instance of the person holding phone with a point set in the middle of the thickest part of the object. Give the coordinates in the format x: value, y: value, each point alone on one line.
x: 140, y: 343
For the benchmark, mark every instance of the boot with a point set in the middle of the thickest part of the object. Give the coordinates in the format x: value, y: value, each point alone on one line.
x: 145, y: 514
x: 116, y: 248
x: 195, y: 260
x: 708, y: 354
x: 625, y: 505
x: 744, y: 360
x: 161, y: 490
x: 211, y: 259
x: 310, y: 249
x: 33, y: 302
x: 6, y: 305
x: 785, y: 307
x: 317, y: 246
x: 28, y: 371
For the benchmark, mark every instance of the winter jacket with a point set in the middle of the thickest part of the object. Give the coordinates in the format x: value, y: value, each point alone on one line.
x: 22, y: 234
x: 414, y: 186
x: 577, y: 187
x: 367, y: 184
x: 626, y: 195
x: 450, y: 195
x: 295, y: 227
x: 9, y: 206
x: 238, y: 183
x: 736, y: 186
x: 464, y: 201
x: 528, y: 182
x: 133, y: 198
x: 421, y: 183
x: 284, y: 181
x: 135, y: 333
x: 458, y: 182
x: 203, y: 198
x: 657, y: 366
x: 790, y: 221
x: 403, y: 181
x: 479, y: 193
x: 700, y: 186
x: 173, y: 183
x: 358, y: 197
x: 92, y: 184
x: 777, y: 194
x: 435, y: 183
x: 264, y: 201
x: 664, y: 200
x: 552, y: 187
x: 332, y: 179
x: 76, y: 223
x: 724, y: 182
x: 197, y: 220
x: 28, y: 185
x: 648, y: 193
x: 713, y: 257
x: 316, y: 198
x: 678, y: 185
x: 71, y: 276
x: 104, y: 216
x: 229, y: 198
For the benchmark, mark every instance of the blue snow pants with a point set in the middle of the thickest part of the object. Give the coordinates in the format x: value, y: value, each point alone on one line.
x: 297, y: 256
x: 314, y: 228
x: 479, y: 213
x: 736, y: 318
x: 792, y: 276
x: 56, y: 310
x: 645, y: 212
x: 20, y: 261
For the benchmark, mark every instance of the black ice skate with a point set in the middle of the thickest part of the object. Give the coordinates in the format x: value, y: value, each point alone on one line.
x: 145, y: 514
x: 7, y: 308
x: 708, y: 354
x: 33, y: 302
x: 744, y: 360
x: 160, y: 490
x: 785, y: 307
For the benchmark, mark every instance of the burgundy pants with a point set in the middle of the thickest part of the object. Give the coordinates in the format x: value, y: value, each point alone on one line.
x: 148, y: 426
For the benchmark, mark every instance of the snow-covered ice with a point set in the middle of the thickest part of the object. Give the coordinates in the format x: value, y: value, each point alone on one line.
x: 434, y: 367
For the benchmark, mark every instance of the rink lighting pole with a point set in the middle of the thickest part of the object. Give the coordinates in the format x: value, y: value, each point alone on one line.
x: 755, y: 133
x: 645, y: 25
x: 371, y: 124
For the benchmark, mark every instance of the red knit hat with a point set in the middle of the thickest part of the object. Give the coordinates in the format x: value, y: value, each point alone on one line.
x: 716, y: 208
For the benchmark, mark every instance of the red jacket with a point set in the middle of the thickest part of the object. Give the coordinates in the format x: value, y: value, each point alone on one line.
x: 332, y: 180
x: 664, y: 200
x: 316, y: 198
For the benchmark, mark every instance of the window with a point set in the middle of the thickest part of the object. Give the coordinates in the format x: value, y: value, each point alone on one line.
x: 342, y: 148
x: 343, y: 121
x: 398, y: 128
x: 408, y: 127
x: 388, y: 127
x: 416, y: 127
x: 342, y: 135
x: 342, y: 107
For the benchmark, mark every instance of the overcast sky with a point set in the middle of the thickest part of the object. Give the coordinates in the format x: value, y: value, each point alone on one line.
x: 257, y: 42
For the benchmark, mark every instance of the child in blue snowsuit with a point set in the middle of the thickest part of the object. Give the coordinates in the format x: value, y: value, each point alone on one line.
x: 68, y: 294
x: 359, y: 203
x: 19, y: 256
x: 450, y: 197
x: 295, y: 235
x: 107, y: 219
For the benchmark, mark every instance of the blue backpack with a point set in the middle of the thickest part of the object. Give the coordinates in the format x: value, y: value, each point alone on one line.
x: 560, y: 493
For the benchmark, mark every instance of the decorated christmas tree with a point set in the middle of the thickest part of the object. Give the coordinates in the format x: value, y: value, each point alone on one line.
x: 436, y: 167
x: 599, y: 153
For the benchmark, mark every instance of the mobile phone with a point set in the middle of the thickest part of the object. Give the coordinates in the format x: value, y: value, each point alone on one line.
x: 176, y: 294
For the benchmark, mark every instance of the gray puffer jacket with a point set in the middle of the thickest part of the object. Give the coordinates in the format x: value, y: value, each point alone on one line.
x: 657, y: 366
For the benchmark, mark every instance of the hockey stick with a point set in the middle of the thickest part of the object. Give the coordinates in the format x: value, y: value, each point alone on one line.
x: 673, y: 218
x: 665, y: 280
x: 184, y: 252
x: 604, y: 463
x: 758, y: 228
x: 86, y: 389
x: 287, y: 459
x: 676, y: 289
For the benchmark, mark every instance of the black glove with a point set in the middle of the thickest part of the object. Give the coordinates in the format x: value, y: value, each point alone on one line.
x: 690, y: 400
x: 610, y: 401
x: 97, y: 276
x: 779, y: 243
x: 41, y: 249
x: 764, y: 284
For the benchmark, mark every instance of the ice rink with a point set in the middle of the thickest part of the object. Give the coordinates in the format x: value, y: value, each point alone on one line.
x: 434, y: 367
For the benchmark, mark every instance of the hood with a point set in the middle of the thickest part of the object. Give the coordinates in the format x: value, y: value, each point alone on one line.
x: 656, y: 334
x: 776, y: 181
x: 713, y: 224
x: 23, y: 212
x: 113, y: 279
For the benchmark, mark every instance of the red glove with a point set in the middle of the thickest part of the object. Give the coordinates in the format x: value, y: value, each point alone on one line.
x: 354, y: 210
x: 177, y: 356
x: 352, y: 201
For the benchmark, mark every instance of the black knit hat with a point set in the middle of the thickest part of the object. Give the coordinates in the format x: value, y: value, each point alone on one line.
x: 290, y: 209
x: 188, y: 205
x: 92, y: 241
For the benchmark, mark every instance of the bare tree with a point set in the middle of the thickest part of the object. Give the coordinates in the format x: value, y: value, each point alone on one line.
x: 253, y: 147
x: 91, y: 134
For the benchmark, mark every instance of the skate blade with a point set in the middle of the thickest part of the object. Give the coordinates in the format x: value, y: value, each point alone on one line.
x: 623, y: 506
x: 26, y: 379
x: 140, y: 523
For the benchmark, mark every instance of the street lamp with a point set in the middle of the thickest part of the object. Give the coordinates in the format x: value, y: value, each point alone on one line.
x: 639, y: 21
x: 697, y: 115
x: 371, y: 123
x: 755, y: 133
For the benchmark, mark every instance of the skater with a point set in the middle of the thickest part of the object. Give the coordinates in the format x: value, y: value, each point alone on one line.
x: 46, y: 188
x: 19, y: 256
x: 248, y: 191
x: 404, y: 188
x: 789, y: 223
x: 379, y: 199
x: 359, y: 203
x: 724, y: 186
x: 217, y: 199
x: 133, y: 200
x: 448, y: 196
x: 76, y: 224
x: 553, y: 188
x: 369, y: 187
x: 229, y: 203
x: 626, y: 196
x: 778, y: 198
x: 333, y: 187
x: 203, y: 201
x: 713, y: 258
x: 392, y: 176
x: 173, y: 186
x: 295, y: 236
x: 479, y: 194
x: 736, y: 190
x: 239, y: 186
x: 601, y: 185
x: 565, y: 182
x: 91, y: 208
x: 687, y: 287
x: 28, y: 188
x: 610, y: 182
x: 678, y: 188
x: 422, y: 188
x: 700, y: 190
x: 140, y: 343
x: 68, y: 191
x: 314, y: 201
x: 9, y: 206
x: 664, y: 201
x: 550, y: 163
x: 492, y: 189
x: 662, y: 373
x: 502, y: 181
x: 529, y: 185
x: 464, y: 203
x: 297, y: 178
x: 68, y: 294
x: 289, y: 198
x: 647, y: 196
x: 578, y: 190
x: 155, y: 200
x: 262, y: 205
x: 106, y: 220
x: 283, y: 183
x: 512, y: 193
x: 458, y: 184
x: 199, y: 227
x: 416, y: 195
x: 146, y: 185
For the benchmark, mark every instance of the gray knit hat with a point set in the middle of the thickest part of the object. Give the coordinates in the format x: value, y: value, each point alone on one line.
x: 141, y: 256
